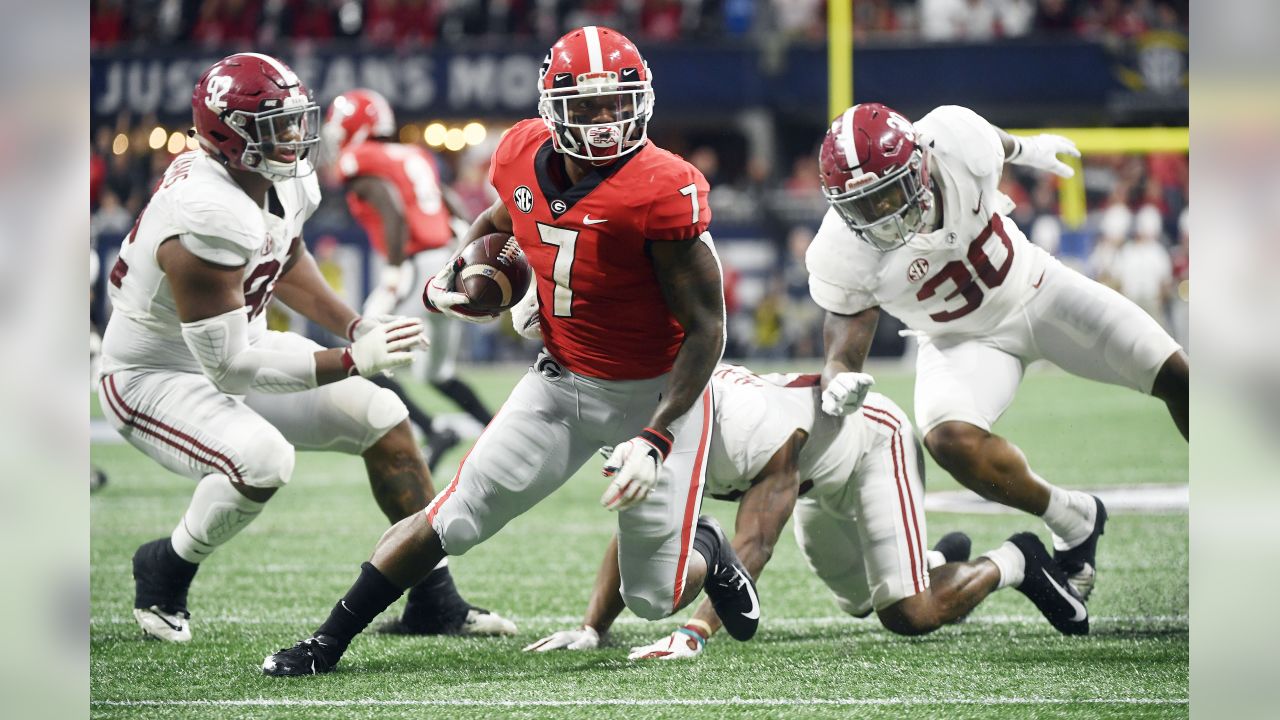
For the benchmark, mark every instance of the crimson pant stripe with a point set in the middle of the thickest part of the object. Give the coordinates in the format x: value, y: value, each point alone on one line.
x: 914, y: 552
x: 911, y: 501
x: 692, y: 503
x: 131, y: 417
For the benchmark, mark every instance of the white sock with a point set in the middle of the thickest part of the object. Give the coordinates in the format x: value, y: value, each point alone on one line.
x: 217, y: 512
x: 1070, y: 517
x: 1012, y: 565
x: 934, y: 559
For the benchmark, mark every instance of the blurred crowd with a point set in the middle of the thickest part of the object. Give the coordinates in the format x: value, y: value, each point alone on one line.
x: 1134, y: 238
x: 413, y: 23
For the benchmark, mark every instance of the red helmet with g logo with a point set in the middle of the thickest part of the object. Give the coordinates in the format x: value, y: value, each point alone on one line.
x: 253, y: 113
x: 875, y: 174
x: 357, y: 115
x: 595, y: 94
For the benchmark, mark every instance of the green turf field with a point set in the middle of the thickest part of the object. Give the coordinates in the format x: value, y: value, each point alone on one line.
x: 275, y: 583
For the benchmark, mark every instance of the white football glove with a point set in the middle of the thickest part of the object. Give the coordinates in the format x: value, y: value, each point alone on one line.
x: 438, y: 296
x: 524, y: 315
x: 845, y: 393
x: 1041, y: 152
x: 583, y: 638
x: 383, y: 347
x: 386, y: 296
x: 634, y: 466
x: 683, y: 643
x: 363, y: 324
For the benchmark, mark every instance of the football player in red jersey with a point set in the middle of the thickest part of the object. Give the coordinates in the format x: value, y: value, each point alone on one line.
x: 395, y: 193
x: 632, y: 316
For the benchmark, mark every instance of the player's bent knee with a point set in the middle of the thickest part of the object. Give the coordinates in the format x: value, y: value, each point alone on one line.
x: 648, y: 606
x: 909, y: 616
x: 384, y: 412
x: 269, y: 460
x: 954, y: 443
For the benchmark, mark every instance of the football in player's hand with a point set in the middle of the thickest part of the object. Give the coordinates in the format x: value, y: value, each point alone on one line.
x: 494, y: 273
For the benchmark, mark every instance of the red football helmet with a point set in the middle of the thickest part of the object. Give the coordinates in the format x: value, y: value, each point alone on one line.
x: 357, y: 115
x: 253, y: 113
x: 876, y: 175
x: 595, y: 94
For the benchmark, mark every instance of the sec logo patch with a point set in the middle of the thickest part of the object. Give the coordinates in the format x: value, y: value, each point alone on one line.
x: 524, y: 198
x: 918, y: 269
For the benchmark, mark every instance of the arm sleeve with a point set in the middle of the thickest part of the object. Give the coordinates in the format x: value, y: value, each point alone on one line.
x: 221, y: 345
x: 679, y: 210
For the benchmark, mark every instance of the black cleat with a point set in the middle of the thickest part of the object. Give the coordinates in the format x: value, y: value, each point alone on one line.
x: 955, y: 547
x: 160, y: 581
x: 438, y: 443
x: 475, y: 622
x: 309, y: 657
x: 1080, y: 562
x: 730, y: 588
x: 1045, y: 583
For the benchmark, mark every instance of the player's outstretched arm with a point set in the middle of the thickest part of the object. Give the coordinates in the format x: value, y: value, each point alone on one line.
x: 215, y: 325
x: 847, y: 339
x: 1039, y: 151
x: 302, y: 287
x: 763, y: 512
x: 603, y: 608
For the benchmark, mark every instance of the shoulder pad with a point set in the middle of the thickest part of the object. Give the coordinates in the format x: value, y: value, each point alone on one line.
x: 678, y: 206
x: 965, y: 136
x: 220, y: 227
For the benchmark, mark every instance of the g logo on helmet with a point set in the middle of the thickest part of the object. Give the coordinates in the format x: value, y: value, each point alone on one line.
x: 524, y: 198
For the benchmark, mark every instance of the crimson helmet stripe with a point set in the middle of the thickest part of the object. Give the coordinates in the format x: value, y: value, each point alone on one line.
x: 594, y: 57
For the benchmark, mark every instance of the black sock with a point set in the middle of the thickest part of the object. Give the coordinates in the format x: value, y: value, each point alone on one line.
x: 464, y: 397
x: 707, y: 544
x: 417, y: 415
x: 370, y: 595
x: 434, y: 605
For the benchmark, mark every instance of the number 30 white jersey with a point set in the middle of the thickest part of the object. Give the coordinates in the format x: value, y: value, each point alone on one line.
x: 198, y: 203
x: 961, y: 279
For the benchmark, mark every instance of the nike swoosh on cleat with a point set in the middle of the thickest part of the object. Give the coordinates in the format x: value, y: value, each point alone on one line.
x: 177, y: 628
x: 754, y: 613
x: 588, y: 220
x: 1081, y: 613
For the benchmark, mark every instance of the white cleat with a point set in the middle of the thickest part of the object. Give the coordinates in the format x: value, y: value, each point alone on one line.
x: 170, y: 627
x: 486, y: 624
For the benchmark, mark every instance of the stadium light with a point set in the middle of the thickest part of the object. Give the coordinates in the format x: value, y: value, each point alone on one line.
x: 434, y: 134
x: 156, y: 141
x: 454, y: 139
x: 120, y: 145
x: 409, y: 134
x: 177, y: 142
x: 474, y: 133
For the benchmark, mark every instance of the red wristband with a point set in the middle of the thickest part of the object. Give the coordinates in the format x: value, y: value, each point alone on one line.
x: 349, y: 363
x: 351, y: 328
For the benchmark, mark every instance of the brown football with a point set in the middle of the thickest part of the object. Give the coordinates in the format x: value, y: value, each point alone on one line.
x: 495, y: 275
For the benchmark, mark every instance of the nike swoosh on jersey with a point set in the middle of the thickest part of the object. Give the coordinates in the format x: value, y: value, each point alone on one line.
x: 1081, y: 613
x: 978, y: 209
x: 588, y: 220
x: 1037, y: 285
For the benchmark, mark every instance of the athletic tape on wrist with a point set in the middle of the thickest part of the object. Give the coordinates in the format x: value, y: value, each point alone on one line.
x: 659, y: 440
x: 701, y: 627
x: 351, y: 328
x: 349, y: 362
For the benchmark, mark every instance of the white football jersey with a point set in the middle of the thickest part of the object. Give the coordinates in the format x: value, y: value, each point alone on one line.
x: 756, y: 414
x: 961, y: 279
x: 198, y: 203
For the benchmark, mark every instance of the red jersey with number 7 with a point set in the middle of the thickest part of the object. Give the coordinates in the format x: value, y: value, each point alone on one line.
x: 602, y: 311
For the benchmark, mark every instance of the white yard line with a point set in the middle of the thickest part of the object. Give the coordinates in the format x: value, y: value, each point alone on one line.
x: 781, y: 623
x: 605, y: 702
